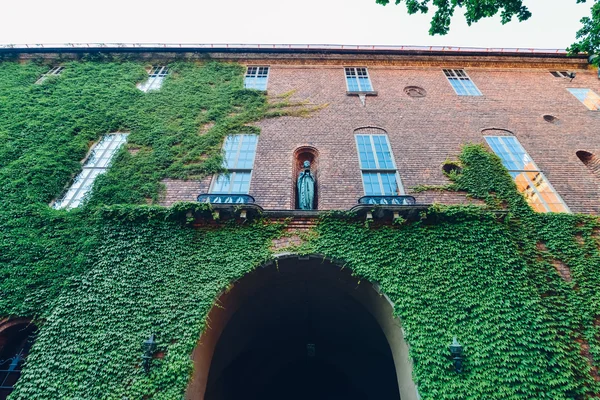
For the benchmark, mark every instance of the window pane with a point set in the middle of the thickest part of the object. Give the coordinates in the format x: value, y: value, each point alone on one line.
x: 353, y: 84
x: 458, y: 88
x: 384, y: 156
x: 95, y: 165
x: 590, y: 99
x: 529, y: 180
x: 470, y: 88
x: 155, y: 79
x: 363, y: 80
x: 241, y: 183
x: 256, y: 78
x: 375, y: 155
x: 240, y: 151
x: 365, y: 152
x: 357, y: 80
x: 461, y: 83
x: 371, y: 184
x: 390, y: 186
x: 221, y: 184
x: 512, y: 154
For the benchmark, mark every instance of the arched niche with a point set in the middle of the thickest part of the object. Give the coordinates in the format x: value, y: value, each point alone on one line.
x: 589, y: 160
x: 302, y: 328
x: 16, y: 338
x: 301, y: 154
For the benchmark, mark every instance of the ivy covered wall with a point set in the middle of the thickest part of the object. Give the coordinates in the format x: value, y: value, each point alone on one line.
x: 520, y: 290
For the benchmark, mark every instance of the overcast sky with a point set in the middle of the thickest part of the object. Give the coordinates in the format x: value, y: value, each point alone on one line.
x: 553, y: 24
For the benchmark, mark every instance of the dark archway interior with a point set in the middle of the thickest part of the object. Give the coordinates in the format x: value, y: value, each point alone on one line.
x: 15, y: 343
x: 302, y: 333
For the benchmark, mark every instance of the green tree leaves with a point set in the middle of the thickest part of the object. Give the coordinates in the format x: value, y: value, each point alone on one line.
x: 474, y: 11
x: 588, y: 36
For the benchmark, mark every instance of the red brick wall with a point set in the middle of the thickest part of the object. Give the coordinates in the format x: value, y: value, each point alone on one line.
x: 423, y: 132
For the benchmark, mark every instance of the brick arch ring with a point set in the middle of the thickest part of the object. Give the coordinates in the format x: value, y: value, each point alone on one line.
x: 211, y: 361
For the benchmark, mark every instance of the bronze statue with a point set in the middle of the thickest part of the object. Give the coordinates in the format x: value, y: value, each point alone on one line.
x: 306, y: 188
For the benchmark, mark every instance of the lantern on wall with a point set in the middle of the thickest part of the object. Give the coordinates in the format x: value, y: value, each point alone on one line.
x: 149, y: 347
x: 456, y: 350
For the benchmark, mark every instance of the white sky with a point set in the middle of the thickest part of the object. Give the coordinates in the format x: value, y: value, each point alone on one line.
x: 553, y: 24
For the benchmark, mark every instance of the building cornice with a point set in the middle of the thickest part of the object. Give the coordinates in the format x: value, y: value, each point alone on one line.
x: 308, y: 54
x: 277, y: 48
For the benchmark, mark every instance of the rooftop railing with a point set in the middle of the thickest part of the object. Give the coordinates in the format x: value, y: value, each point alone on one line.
x: 272, y: 47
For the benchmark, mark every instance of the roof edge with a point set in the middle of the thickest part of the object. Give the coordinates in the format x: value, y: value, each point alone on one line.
x: 279, y: 48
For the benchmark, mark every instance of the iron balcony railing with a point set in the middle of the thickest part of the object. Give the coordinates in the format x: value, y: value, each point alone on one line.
x: 217, y: 198
x: 388, y: 200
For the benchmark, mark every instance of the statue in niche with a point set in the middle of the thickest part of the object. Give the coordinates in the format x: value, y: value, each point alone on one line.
x: 306, y: 188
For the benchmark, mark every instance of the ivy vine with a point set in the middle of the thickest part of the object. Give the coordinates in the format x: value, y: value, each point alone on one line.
x: 99, y: 279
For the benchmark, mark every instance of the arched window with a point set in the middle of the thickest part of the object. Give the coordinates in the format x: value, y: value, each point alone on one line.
x: 16, y: 338
x: 529, y: 178
x: 377, y: 164
x: 238, y: 158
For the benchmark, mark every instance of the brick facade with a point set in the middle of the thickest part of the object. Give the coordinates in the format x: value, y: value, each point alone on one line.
x: 423, y: 132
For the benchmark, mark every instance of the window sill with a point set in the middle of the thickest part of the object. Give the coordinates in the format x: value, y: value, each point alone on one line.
x: 361, y: 93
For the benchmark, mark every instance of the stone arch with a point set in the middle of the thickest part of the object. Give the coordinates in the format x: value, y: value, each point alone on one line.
x: 234, y: 328
x: 16, y: 338
x: 370, y: 130
x: 590, y: 161
x: 496, y: 131
x: 301, y: 154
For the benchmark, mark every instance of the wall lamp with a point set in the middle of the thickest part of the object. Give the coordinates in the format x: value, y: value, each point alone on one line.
x: 149, y: 347
x: 456, y: 350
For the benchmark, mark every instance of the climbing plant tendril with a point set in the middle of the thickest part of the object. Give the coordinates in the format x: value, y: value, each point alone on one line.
x: 100, y: 279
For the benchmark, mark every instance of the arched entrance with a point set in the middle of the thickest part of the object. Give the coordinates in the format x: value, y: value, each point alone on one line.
x: 302, y: 329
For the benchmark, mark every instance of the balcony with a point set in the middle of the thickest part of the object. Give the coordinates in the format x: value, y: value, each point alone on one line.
x: 216, y: 198
x: 227, y: 206
x: 388, y: 200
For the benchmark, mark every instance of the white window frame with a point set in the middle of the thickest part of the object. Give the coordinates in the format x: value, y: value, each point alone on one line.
x: 360, y: 89
x: 232, y: 171
x: 459, y: 75
x: 594, y: 98
x: 535, y: 169
x: 250, y: 80
x: 54, y: 71
x: 156, y: 76
x: 378, y: 170
x: 85, y: 185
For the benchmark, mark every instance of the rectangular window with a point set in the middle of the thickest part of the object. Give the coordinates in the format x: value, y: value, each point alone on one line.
x: 256, y: 78
x: 54, y: 71
x: 529, y: 179
x: 156, y: 76
x: 462, y: 84
x: 590, y: 99
x: 97, y: 163
x: 379, y: 174
x: 238, y: 159
x: 357, y: 80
